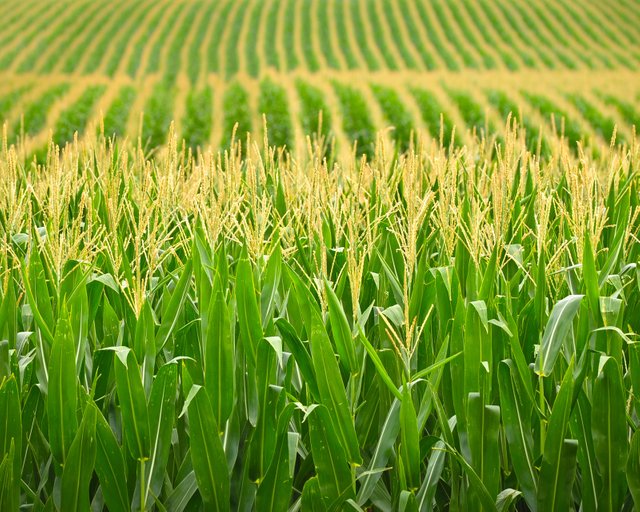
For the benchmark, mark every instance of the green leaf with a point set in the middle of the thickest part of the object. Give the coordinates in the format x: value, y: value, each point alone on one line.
x: 609, y: 425
x: 274, y: 492
x: 133, y: 405
x: 427, y: 491
x: 78, y: 467
x: 410, y: 445
x: 377, y: 362
x: 110, y: 468
x: 506, y: 499
x: 590, y: 276
x: 11, y: 433
x: 207, y: 455
x: 559, y: 456
x: 633, y: 468
x: 271, y: 279
x: 341, y: 331
x: 178, y: 500
x: 171, y: 312
x: 162, y: 408
x: 484, y: 422
x: 555, y: 332
x: 329, y: 458
x: 331, y: 389
x: 218, y: 355
x: 582, y: 431
x: 9, y: 484
x: 37, y: 292
x: 516, y: 418
x: 301, y: 356
x: 476, y: 484
x: 62, y: 397
x: 248, y: 310
x: 311, y: 496
x: 382, y: 452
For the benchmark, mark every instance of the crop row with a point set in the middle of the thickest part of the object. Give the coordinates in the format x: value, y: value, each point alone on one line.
x: 441, y: 331
x: 345, y: 111
x: 312, y: 34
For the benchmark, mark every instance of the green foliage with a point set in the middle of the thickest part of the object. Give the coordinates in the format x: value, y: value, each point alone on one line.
x: 627, y: 110
x: 356, y: 120
x: 312, y: 105
x: 272, y: 56
x: 220, y: 351
x: 232, y: 62
x: 488, y: 34
x: 557, y: 47
x: 117, y: 116
x: 158, y: 112
x: 434, y: 116
x: 323, y: 22
x: 195, y: 57
x: 216, y: 37
x: 154, y: 57
x: 520, y: 27
x: 34, y: 118
x: 563, y: 122
x: 137, y: 49
x: 51, y: 36
x: 251, y: 42
x: 10, y: 99
x: 473, y: 114
x: 198, y: 118
x: 490, y: 9
x: 396, y: 28
x: 274, y: 105
x: 601, y: 124
x: 74, y: 119
x: 444, y: 21
x: 306, y: 34
x: 173, y: 58
x: 488, y: 61
x: 236, y: 112
x: 101, y: 46
x: 118, y: 45
x: 289, y: 21
x: 376, y: 26
x: 342, y: 33
x: 429, y: 24
x: 505, y: 106
x: 396, y: 115
x: 361, y: 36
x: 414, y: 36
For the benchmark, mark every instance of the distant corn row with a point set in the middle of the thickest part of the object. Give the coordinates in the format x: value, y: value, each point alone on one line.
x: 197, y: 37
x: 339, y: 110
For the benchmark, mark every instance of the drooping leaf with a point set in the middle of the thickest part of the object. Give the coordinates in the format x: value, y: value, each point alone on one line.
x: 207, y: 455
x: 330, y: 460
x: 110, y: 467
x: 78, y: 468
x: 555, y: 332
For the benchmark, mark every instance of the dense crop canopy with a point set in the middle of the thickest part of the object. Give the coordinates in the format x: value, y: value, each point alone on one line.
x: 451, y: 329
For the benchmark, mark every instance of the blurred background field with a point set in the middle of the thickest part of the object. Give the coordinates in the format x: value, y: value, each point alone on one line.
x: 566, y: 67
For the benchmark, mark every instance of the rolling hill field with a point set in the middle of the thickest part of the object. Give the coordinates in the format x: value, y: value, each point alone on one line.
x: 367, y: 64
x: 319, y: 255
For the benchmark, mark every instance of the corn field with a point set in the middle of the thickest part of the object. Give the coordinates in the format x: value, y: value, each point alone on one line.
x: 319, y: 255
x: 449, y: 329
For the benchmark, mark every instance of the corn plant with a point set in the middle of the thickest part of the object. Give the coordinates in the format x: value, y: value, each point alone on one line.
x: 451, y: 330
